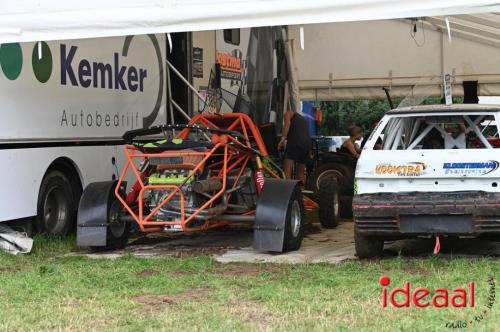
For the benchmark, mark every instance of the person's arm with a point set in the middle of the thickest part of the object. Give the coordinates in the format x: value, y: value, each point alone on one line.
x: 286, y: 128
x: 352, y: 148
x: 358, y: 149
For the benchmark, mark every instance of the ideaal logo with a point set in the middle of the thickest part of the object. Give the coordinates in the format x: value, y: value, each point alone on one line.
x: 85, y: 73
x: 422, y: 297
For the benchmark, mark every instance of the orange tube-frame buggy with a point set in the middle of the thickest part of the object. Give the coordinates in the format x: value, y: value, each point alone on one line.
x: 235, y: 147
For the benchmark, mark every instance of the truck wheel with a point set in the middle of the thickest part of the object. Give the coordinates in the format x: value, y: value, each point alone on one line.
x: 294, y: 224
x: 56, y: 209
x: 343, y: 174
x: 328, y: 203
x: 368, y: 247
x: 118, y: 231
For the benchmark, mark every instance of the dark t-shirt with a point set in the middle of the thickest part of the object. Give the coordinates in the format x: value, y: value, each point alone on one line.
x: 298, y: 134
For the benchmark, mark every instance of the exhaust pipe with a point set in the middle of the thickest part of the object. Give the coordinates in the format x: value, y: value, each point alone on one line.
x: 206, y: 186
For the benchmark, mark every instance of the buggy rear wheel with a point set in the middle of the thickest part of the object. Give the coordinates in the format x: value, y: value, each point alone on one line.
x: 279, y: 218
x: 294, y: 224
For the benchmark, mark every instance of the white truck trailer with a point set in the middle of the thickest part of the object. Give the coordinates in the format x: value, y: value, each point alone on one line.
x: 64, y: 106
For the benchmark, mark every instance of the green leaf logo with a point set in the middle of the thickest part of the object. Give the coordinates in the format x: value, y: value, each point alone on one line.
x: 41, y: 60
x: 11, y: 60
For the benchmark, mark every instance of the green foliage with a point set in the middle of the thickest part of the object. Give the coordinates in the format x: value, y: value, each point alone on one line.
x: 338, y: 116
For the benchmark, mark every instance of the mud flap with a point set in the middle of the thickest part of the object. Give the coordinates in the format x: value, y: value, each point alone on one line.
x: 271, y: 214
x: 92, y: 217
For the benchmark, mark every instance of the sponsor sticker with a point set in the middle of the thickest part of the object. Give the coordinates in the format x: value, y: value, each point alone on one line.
x: 230, y: 65
x: 471, y: 168
x: 408, y: 169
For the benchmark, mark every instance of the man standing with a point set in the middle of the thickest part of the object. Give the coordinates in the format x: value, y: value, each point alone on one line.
x: 298, y: 143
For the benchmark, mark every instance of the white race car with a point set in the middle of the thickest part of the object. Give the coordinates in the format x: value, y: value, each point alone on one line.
x: 428, y: 171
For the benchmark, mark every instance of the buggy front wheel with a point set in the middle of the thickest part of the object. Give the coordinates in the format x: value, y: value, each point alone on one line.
x: 101, y: 225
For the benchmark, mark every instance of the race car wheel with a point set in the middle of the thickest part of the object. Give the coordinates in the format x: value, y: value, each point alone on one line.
x: 56, y: 209
x: 294, y: 223
x: 328, y: 199
x: 117, y: 231
x: 368, y: 247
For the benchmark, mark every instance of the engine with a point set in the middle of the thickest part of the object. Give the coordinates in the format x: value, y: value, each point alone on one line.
x: 171, y: 210
x: 196, y: 191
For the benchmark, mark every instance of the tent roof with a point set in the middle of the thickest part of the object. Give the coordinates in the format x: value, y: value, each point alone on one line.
x: 34, y: 20
x: 482, y: 28
x: 355, y: 60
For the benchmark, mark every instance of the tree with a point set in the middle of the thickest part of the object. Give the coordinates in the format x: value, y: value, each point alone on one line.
x: 338, y: 116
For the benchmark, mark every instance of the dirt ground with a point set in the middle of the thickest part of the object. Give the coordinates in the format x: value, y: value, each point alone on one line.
x: 233, y: 244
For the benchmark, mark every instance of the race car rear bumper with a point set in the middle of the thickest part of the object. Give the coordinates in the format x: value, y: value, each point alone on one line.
x: 470, y: 213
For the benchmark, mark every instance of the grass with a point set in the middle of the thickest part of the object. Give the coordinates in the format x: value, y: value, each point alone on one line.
x: 48, y: 290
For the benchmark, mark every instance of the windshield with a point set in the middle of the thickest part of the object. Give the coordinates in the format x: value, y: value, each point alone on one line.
x: 447, y: 131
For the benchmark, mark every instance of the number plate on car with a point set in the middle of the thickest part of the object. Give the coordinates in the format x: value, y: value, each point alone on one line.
x: 436, y: 224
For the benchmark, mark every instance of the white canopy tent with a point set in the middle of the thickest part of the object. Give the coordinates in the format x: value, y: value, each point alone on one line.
x: 35, y: 20
x: 355, y: 60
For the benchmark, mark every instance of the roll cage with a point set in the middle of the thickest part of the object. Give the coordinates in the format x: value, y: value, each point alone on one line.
x: 236, y: 145
x: 409, y: 131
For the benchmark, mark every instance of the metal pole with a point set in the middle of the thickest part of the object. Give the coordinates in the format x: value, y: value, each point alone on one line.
x: 185, y: 80
x: 180, y: 109
x: 171, y: 97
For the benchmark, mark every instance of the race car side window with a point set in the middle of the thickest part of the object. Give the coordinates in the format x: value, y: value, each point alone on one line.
x: 429, y: 132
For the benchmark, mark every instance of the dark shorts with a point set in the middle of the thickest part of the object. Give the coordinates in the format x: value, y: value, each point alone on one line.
x: 299, y: 154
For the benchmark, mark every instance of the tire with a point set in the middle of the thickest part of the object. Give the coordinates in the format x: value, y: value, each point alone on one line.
x: 57, y: 205
x: 294, y: 224
x: 343, y: 174
x: 328, y: 203
x: 368, y: 247
x: 345, y: 207
x: 117, y: 232
x: 279, y: 217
